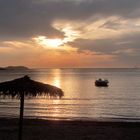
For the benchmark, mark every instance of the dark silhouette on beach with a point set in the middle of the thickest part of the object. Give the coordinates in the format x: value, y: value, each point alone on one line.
x: 24, y: 86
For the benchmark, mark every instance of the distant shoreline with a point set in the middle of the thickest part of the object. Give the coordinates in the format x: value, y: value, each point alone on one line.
x: 14, y: 68
x: 27, y: 68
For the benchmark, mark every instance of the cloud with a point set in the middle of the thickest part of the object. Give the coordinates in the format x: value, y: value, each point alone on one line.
x: 127, y: 44
x: 107, y: 31
x: 112, y: 24
x: 24, y: 19
x: 27, y: 18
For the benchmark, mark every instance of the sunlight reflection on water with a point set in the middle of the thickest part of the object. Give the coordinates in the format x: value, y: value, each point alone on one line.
x: 81, y: 98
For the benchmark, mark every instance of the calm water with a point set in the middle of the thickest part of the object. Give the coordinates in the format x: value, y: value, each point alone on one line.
x: 82, y: 100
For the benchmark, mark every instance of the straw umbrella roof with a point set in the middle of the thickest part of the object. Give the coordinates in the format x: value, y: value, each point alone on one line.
x: 28, y: 87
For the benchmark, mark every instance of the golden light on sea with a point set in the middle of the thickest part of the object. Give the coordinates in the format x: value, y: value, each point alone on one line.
x: 57, y: 75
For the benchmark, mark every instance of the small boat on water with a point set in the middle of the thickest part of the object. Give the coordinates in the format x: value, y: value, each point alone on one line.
x: 101, y: 83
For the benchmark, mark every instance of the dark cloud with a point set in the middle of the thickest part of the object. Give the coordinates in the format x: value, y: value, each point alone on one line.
x: 112, y: 24
x: 125, y: 49
x: 127, y: 44
x: 24, y: 19
x: 27, y: 18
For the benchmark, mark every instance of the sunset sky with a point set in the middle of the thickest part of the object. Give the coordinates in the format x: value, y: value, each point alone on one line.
x: 70, y: 33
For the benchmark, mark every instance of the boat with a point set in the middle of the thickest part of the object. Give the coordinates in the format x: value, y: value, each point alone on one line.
x: 101, y: 83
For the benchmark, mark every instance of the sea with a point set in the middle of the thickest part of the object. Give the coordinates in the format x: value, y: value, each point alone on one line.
x: 82, y: 100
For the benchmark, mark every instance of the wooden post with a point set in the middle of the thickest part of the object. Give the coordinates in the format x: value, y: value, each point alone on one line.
x: 21, y: 115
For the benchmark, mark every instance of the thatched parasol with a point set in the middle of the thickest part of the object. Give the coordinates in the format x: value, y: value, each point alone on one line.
x: 24, y: 86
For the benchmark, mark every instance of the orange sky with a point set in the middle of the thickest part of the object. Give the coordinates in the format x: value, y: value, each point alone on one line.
x: 70, y: 34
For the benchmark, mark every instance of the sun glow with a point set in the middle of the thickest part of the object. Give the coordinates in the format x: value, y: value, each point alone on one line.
x: 56, y: 43
x: 48, y: 43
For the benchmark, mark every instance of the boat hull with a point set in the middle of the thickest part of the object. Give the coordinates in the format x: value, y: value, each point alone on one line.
x: 101, y: 83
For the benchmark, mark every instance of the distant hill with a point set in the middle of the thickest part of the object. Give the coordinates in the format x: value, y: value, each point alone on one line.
x: 2, y: 69
x: 14, y: 68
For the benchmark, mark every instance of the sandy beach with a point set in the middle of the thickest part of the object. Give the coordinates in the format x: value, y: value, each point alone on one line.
x: 35, y: 129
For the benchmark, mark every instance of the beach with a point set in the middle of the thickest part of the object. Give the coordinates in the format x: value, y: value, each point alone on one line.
x: 38, y: 129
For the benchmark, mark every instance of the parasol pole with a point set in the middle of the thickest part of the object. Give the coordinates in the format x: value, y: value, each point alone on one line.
x: 21, y: 115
